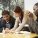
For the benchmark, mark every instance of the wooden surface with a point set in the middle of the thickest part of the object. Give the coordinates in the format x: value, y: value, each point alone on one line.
x: 16, y: 35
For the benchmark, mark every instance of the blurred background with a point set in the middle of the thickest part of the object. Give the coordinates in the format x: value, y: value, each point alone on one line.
x: 11, y: 4
x: 28, y: 4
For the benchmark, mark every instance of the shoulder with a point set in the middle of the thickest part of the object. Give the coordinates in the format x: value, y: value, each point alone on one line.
x: 26, y: 14
x: 12, y: 18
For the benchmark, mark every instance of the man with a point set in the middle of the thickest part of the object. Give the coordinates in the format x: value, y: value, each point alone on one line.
x: 35, y: 8
x: 33, y: 25
x: 6, y: 21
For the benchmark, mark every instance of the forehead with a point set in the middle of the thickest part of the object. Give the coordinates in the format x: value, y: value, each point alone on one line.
x: 35, y: 7
x: 5, y: 15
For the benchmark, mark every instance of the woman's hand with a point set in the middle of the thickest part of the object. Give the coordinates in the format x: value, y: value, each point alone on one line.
x: 12, y: 31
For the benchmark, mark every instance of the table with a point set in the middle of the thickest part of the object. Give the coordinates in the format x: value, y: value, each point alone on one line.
x: 16, y: 35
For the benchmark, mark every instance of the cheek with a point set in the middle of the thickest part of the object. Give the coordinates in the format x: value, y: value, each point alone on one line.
x: 4, y: 18
x: 17, y: 15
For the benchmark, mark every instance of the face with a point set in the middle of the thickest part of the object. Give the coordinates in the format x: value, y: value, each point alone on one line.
x: 6, y: 17
x: 17, y: 14
x: 35, y: 10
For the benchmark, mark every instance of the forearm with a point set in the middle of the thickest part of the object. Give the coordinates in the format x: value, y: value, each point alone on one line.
x: 16, y: 24
x: 20, y: 26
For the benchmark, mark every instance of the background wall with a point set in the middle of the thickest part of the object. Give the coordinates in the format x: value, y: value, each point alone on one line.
x: 10, y: 5
x: 28, y: 4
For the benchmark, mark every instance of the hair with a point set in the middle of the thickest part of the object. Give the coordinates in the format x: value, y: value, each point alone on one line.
x: 5, y: 12
x: 19, y: 11
x: 11, y: 19
x: 36, y: 4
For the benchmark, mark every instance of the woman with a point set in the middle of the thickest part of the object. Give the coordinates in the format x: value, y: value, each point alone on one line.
x: 21, y: 19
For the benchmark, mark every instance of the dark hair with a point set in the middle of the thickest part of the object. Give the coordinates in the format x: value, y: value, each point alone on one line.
x: 5, y: 12
x: 19, y: 10
x: 36, y: 4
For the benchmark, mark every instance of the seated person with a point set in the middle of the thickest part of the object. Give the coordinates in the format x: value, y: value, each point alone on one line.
x: 23, y: 18
x: 35, y: 8
x: 6, y: 21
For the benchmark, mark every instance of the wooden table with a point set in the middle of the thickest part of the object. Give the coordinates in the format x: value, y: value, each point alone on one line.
x: 16, y: 35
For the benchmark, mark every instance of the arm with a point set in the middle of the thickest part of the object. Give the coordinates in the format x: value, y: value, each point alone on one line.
x: 16, y: 24
x: 21, y: 25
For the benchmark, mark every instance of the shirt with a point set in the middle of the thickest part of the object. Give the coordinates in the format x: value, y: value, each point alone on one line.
x: 8, y: 25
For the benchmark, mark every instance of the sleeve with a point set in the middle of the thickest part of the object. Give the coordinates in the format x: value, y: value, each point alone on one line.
x: 21, y: 25
x: 16, y: 24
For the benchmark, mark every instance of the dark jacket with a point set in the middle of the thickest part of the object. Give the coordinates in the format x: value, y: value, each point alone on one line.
x: 3, y: 23
x: 33, y: 26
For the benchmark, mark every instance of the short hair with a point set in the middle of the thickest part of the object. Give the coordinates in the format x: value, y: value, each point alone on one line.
x: 36, y: 4
x: 5, y: 12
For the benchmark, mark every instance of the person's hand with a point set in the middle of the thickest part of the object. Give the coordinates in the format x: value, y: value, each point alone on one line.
x: 12, y: 31
x: 7, y: 30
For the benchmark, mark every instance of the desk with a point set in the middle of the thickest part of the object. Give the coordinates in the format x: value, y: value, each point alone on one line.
x: 16, y: 35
